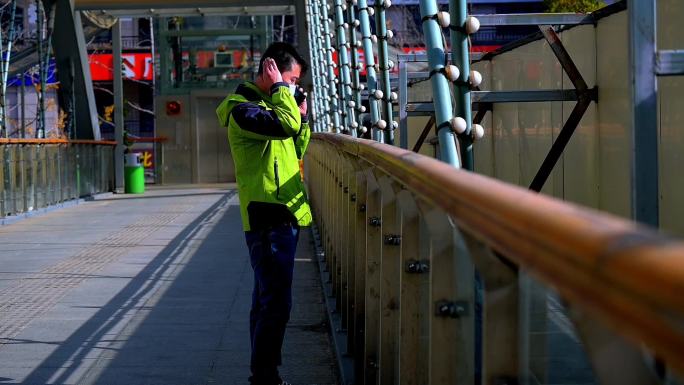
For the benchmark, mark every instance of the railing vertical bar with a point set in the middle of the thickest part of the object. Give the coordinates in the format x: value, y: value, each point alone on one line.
x: 356, y: 334
x: 372, y: 269
x: 390, y: 276
x: 343, y: 58
x: 413, y: 309
x: 347, y: 172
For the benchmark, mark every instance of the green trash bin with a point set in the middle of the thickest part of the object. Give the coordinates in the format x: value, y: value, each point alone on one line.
x: 134, y: 174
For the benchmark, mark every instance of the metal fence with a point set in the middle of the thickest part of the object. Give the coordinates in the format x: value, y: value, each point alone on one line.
x: 429, y: 269
x: 40, y: 173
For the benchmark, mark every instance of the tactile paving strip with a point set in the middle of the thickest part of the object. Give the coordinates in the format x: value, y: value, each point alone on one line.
x: 38, y: 292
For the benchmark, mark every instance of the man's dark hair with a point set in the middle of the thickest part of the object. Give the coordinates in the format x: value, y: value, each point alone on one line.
x: 284, y: 55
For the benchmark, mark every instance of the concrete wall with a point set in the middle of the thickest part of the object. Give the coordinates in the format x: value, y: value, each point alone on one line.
x: 595, y: 167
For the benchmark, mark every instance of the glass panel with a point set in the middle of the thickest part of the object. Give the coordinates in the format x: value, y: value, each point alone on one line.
x: 551, y: 351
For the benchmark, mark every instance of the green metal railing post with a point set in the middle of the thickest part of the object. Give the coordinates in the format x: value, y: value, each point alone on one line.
x: 328, y: 58
x: 385, y: 67
x: 343, y: 57
x: 440, y: 85
x: 371, y: 78
x: 460, y: 56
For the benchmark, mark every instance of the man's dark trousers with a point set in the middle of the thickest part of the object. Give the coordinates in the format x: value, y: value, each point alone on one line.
x: 272, y: 253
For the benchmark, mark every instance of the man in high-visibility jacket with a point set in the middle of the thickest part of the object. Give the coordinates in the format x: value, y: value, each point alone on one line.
x: 268, y: 134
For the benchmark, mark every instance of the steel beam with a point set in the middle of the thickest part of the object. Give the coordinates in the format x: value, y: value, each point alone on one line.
x: 69, y: 49
x: 535, y: 19
x: 563, y: 57
x: 118, y: 109
x: 670, y: 63
x: 421, y: 57
x: 559, y: 145
x: 644, y: 99
x: 403, y: 101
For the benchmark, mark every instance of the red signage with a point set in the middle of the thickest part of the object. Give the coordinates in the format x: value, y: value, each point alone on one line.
x: 136, y: 66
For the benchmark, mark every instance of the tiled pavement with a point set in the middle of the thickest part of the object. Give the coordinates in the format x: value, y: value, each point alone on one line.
x: 149, y: 289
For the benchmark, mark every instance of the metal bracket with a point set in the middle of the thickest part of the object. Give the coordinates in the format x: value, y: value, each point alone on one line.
x: 451, y: 309
x: 375, y: 221
x: 352, y: 197
x: 362, y: 208
x: 670, y: 63
x: 417, y: 267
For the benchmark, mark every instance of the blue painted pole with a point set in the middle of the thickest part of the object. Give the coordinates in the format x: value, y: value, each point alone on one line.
x: 384, y: 66
x: 355, y: 43
x: 330, y: 86
x: 315, y: 113
x: 440, y: 85
x: 460, y: 56
x: 371, y: 77
x: 343, y: 56
x: 645, y: 199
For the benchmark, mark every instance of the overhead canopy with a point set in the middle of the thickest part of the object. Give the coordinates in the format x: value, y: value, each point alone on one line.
x: 163, y: 4
x: 149, y: 12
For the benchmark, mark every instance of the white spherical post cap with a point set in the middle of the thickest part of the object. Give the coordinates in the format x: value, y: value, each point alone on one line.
x: 354, y: 125
x: 472, y: 25
x: 382, y: 124
x: 390, y: 34
x: 351, y: 104
x: 458, y: 125
x: 478, y: 131
x: 364, y: 129
x: 394, y: 96
x: 362, y: 109
x: 395, y: 124
x: 374, y: 38
x: 444, y: 19
x: 452, y: 72
x: 371, y: 11
x: 475, y: 78
x: 378, y: 94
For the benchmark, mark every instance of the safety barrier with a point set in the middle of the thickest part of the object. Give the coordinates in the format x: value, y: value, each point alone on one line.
x: 427, y: 266
x: 36, y: 173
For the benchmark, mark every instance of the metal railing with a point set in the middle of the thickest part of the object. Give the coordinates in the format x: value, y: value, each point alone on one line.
x: 426, y: 264
x: 36, y: 173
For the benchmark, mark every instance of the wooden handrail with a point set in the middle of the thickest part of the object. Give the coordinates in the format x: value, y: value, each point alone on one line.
x: 626, y: 275
x: 160, y: 139
x: 56, y: 141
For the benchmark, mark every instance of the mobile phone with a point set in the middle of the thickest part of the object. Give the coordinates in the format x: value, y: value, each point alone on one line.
x: 299, y: 96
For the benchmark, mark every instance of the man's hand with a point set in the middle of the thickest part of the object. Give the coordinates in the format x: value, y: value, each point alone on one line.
x: 303, y: 108
x: 270, y: 73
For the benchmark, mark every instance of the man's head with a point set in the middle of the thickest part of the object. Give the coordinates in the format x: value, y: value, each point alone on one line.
x: 290, y: 64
